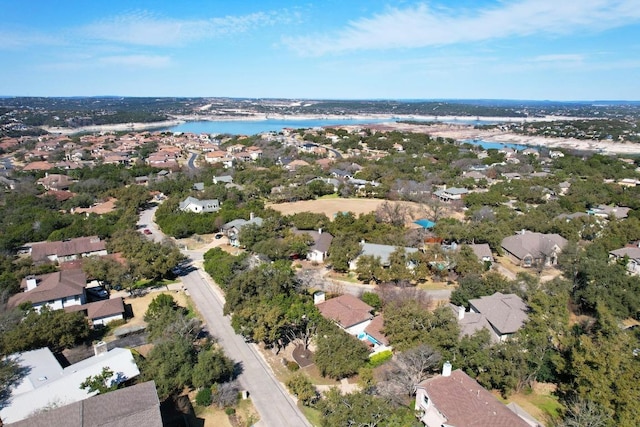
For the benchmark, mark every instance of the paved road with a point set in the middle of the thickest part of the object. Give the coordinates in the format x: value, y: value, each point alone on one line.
x: 274, y: 404
x: 191, y: 161
x: 271, y: 400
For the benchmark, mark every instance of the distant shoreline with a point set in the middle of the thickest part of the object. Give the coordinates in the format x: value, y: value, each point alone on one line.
x: 460, y: 132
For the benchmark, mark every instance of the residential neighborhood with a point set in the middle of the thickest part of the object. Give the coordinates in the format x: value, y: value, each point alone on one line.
x: 361, y: 266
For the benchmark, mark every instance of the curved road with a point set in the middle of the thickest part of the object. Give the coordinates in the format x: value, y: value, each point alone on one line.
x: 271, y: 400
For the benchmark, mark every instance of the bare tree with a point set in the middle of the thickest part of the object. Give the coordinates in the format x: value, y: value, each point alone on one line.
x: 584, y: 413
x: 395, y: 213
x: 409, y: 369
x: 433, y: 208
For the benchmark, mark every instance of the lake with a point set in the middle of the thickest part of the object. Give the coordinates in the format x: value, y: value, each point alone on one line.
x: 252, y: 127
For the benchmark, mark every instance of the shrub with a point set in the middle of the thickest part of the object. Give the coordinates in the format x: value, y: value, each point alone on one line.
x: 380, y: 358
x: 292, y: 366
x: 203, y: 397
x: 302, y: 387
x: 230, y: 411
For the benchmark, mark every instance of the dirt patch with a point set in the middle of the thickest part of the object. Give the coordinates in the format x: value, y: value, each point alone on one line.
x: 330, y: 207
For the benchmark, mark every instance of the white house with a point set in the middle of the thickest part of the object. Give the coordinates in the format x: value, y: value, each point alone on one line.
x: 321, y: 242
x: 57, y: 290
x: 191, y: 204
x: 47, y: 384
x: 456, y: 399
x: 632, y: 256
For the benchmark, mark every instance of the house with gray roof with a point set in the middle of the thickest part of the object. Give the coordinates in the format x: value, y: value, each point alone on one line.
x: 528, y: 249
x: 505, y: 314
x: 46, y: 383
x: 319, y: 251
x: 483, y: 252
x: 451, y: 194
x: 604, y: 211
x: 378, y: 251
x: 223, y: 179
x: 133, y: 406
x: 191, y: 204
x: 630, y: 255
x: 232, y: 228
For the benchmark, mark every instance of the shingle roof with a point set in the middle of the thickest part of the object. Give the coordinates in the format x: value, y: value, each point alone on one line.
x: 133, y: 406
x: 466, y: 403
x: 346, y: 309
x: 105, y: 308
x: 530, y: 243
x: 80, y: 245
x: 52, y: 286
x: 632, y: 252
x: 382, y: 251
x: 506, y: 312
x: 481, y: 250
x: 321, y: 240
x: 375, y: 329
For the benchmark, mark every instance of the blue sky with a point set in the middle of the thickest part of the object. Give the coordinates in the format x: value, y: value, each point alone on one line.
x: 337, y: 49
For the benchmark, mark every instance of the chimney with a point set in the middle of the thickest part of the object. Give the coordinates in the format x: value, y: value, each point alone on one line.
x: 318, y: 297
x: 100, y: 348
x: 461, y: 312
x: 446, y: 369
x: 251, y: 216
x: 32, y: 282
x: 319, y: 230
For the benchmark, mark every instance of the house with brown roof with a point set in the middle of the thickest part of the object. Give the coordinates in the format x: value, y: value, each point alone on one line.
x: 67, y: 250
x: 318, y: 252
x: 528, y: 249
x: 349, y: 312
x: 483, y: 252
x: 456, y: 399
x: 55, y: 181
x: 56, y: 290
x: 355, y: 317
x: 101, y: 312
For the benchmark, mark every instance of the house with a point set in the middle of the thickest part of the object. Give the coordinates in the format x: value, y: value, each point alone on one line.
x: 191, y: 204
x: 57, y: 290
x: 379, y: 251
x: 528, y: 249
x: 198, y: 186
x: 483, y: 252
x: 134, y: 406
x: 55, y: 181
x: 46, y: 383
x: 456, y: 399
x: 67, y: 250
x: 451, y: 194
x: 501, y: 314
x: 632, y: 256
x: 226, y: 179
x: 604, y: 211
x: 321, y: 242
x: 232, y: 229
x: 100, y: 313
x: 295, y: 165
x: 354, y: 316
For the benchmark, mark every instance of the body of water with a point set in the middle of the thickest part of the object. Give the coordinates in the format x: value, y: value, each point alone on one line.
x: 496, y: 145
x: 252, y: 127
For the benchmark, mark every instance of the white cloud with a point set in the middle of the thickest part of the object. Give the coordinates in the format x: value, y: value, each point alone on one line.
x: 19, y: 39
x: 142, y: 28
x: 422, y: 25
x: 137, y: 61
x: 561, y: 57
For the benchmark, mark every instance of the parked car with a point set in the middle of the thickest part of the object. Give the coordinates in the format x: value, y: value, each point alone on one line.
x: 219, y: 236
x: 98, y: 292
x: 146, y: 231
